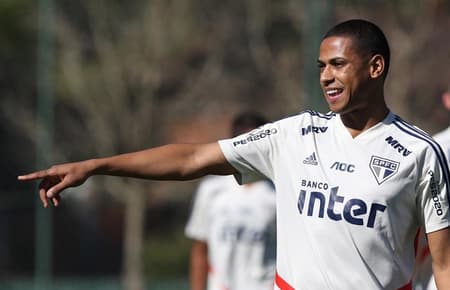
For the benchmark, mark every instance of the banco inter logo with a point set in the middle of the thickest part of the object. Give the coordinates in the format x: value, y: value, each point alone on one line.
x: 383, y: 168
x: 242, y: 234
x: 354, y: 210
x: 314, y: 129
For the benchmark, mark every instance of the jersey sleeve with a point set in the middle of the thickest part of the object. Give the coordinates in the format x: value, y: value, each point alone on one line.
x: 197, y: 226
x: 251, y: 153
x: 433, y: 195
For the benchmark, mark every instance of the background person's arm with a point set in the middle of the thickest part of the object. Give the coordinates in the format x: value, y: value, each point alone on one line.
x: 198, y: 267
x: 169, y: 162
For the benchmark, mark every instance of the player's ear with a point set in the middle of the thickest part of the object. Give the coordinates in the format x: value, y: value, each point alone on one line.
x: 446, y: 100
x: 376, y: 64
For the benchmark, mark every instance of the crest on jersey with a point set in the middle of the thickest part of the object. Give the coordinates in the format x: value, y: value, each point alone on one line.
x: 383, y: 168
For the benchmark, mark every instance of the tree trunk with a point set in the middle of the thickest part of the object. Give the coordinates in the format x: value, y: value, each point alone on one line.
x: 133, y: 277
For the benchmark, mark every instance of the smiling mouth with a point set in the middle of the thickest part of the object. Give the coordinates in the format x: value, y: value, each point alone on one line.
x: 334, y: 93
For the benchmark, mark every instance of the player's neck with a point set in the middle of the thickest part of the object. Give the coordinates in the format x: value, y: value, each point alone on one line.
x: 359, y: 121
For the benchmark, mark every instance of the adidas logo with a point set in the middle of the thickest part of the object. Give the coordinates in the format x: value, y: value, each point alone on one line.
x: 311, y: 160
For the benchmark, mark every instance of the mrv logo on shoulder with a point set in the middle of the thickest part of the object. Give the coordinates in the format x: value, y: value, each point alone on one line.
x: 396, y: 145
x: 314, y: 129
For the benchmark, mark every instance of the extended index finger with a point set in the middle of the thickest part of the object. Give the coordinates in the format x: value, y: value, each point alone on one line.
x: 34, y: 175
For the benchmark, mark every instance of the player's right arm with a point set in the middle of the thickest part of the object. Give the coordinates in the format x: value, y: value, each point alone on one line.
x: 169, y: 162
x: 439, y: 243
x: 198, y: 272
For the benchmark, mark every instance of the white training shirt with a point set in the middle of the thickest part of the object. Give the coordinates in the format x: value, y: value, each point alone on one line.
x: 238, y: 224
x: 348, y: 209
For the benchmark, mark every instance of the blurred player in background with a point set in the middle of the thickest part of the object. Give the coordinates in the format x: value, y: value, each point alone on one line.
x: 233, y: 229
x: 353, y: 186
x: 424, y: 279
x: 443, y: 137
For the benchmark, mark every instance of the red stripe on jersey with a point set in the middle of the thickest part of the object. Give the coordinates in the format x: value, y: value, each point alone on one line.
x: 416, y: 241
x: 406, y: 287
x: 422, y: 250
x: 211, y: 272
x: 281, y: 283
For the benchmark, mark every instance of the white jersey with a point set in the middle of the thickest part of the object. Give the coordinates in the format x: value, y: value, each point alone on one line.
x: 348, y: 209
x: 238, y: 224
x: 424, y: 279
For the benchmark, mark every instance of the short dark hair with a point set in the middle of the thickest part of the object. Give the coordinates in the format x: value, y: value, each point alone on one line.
x: 246, y: 121
x: 367, y: 37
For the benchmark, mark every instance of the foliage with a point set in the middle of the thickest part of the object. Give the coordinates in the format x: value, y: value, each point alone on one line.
x: 167, y: 256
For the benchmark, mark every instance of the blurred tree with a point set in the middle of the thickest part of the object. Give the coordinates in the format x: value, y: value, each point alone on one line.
x: 110, y: 72
x: 129, y: 72
x: 17, y: 86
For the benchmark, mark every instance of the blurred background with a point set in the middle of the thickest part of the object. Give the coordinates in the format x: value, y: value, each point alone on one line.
x: 82, y: 79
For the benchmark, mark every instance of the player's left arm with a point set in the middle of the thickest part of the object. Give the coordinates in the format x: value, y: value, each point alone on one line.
x: 439, y: 243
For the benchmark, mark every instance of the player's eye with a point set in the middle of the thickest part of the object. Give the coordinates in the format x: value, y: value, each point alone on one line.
x: 320, y: 65
x: 338, y: 63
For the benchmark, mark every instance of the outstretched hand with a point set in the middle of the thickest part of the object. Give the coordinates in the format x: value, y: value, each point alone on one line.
x: 57, y: 178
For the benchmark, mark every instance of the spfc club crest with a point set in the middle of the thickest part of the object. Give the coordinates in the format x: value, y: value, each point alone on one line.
x: 383, y: 168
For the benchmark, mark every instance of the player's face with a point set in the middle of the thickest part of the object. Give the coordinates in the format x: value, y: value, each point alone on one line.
x: 344, y: 75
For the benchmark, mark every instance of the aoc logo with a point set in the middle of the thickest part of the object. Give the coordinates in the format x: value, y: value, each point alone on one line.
x: 354, y: 211
x: 383, y: 168
x: 255, y: 136
x: 341, y: 166
x: 316, y: 130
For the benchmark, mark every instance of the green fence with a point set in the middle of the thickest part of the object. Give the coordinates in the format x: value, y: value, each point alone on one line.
x: 91, y: 284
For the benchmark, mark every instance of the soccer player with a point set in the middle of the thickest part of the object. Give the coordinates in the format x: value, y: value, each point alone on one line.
x: 233, y: 229
x: 424, y: 279
x: 352, y: 186
x: 443, y: 137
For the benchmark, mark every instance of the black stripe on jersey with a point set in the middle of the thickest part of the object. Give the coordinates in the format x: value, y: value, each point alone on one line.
x: 413, y: 131
x: 436, y: 147
x: 327, y: 116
